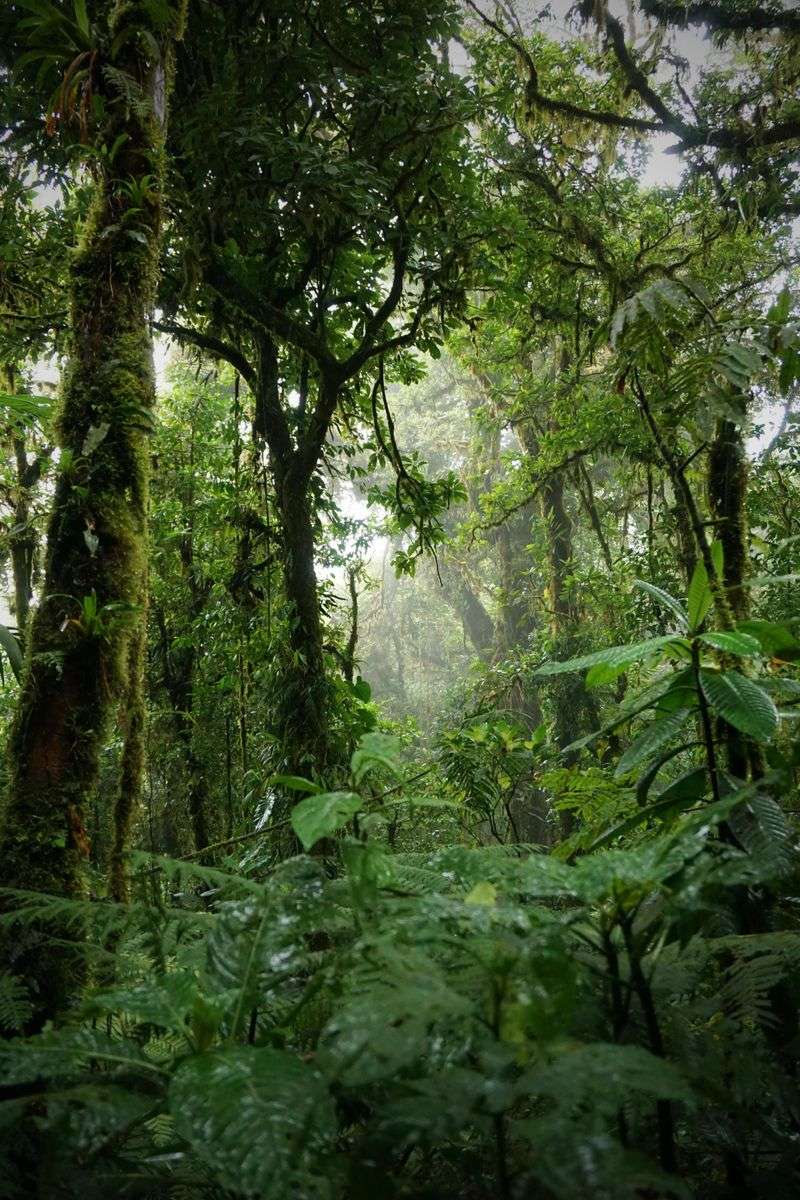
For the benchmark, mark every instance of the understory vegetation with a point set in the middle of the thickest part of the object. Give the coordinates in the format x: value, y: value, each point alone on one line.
x: 399, y: 532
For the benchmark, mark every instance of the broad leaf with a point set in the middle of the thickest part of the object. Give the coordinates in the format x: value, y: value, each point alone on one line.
x: 257, y: 1118
x: 319, y: 816
x: 614, y: 656
x: 740, y: 702
x: 647, y: 779
x: 699, y: 598
x: 743, y: 644
x: 12, y: 649
x: 651, y: 739
x: 375, y: 750
x: 665, y: 806
x: 295, y: 783
x: 664, y: 598
x: 775, y: 639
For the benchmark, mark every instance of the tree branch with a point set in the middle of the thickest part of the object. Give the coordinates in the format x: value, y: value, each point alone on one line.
x: 212, y: 345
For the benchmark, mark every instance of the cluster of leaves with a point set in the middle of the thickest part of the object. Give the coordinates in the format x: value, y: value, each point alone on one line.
x: 463, y: 1021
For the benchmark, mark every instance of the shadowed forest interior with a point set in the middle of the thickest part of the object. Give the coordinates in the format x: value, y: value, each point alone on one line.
x: 399, y: 550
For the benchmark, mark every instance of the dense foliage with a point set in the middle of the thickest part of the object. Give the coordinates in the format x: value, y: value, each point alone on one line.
x: 400, y: 681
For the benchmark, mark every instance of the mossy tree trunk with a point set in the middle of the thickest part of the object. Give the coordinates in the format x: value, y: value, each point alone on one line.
x: 727, y: 496
x: 78, y: 662
x: 304, y: 705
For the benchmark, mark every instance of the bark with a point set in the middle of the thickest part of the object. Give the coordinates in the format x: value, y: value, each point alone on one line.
x: 727, y: 492
x: 180, y: 670
x: 303, y: 712
x: 468, y: 606
x: 78, y: 656
x: 574, y: 709
x: 133, y: 719
x: 304, y: 706
x: 349, y: 656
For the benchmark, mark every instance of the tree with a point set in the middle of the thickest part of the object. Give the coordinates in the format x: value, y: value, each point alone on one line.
x: 330, y: 242
x: 83, y: 646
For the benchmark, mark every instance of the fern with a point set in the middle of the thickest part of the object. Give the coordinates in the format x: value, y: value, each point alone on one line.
x: 16, y: 1008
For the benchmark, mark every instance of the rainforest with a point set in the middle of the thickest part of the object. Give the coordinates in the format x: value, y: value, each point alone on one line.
x: 399, y: 634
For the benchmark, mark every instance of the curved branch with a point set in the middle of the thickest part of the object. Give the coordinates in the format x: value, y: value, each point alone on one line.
x: 212, y: 345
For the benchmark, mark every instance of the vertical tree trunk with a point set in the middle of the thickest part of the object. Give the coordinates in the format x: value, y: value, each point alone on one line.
x: 304, y: 716
x: 727, y: 493
x: 78, y: 655
x: 574, y: 709
x: 132, y: 719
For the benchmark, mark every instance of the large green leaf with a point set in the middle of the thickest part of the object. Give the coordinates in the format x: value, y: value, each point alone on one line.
x: 614, y: 656
x: 599, y: 1073
x: 740, y: 702
x: 257, y: 1118
x: 775, y: 639
x: 25, y: 408
x: 12, y: 649
x: 664, y: 598
x: 700, y: 597
x: 375, y: 751
x: 652, y: 739
x: 664, y: 806
x: 295, y: 783
x: 318, y: 816
x: 743, y: 644
x: 648, y: 777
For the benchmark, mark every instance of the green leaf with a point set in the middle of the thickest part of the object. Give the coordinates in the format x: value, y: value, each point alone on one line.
x: 652, y: 739
x: 257, y: 1118
x: 375, y: 750
x: 775, y: 640
x: 602, y: 673
x: 690, y: 786
x: 295, y: 783
x: 743, y: 644
x: 483, y: 893
x: 12, y: 649
x: 81, y: 18
x: 699, y: 598
x: 647, y: 780
x: 664, y: 598
x: 600, y: 1073
x: 319, y: 816
x: 25, y: 408
x: 664, y: 806
x: 740, y: 702
x: 614, y: 656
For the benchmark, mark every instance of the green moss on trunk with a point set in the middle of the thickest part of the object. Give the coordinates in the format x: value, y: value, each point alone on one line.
x: 79, y: 646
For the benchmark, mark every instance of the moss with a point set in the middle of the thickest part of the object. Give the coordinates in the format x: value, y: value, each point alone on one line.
x: 132, y: 765
x: 82, y: 655
x: 727, y: 494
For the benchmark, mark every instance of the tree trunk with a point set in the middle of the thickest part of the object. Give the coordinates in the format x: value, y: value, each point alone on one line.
x: 132, y: 719
x: 574, y: 709
x: 303, y: 712
x: 727, y: 491
x: 78, y: 657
